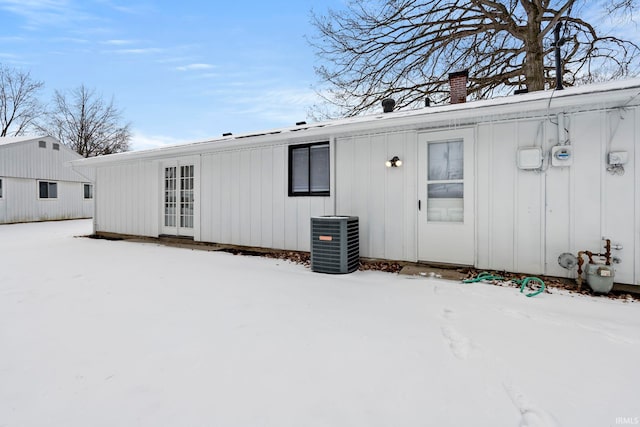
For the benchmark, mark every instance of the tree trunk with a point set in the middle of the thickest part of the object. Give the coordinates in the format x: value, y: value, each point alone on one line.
x: 534, y: 51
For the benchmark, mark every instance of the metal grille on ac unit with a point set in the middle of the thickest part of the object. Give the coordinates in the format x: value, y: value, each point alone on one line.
x: 335, y: 244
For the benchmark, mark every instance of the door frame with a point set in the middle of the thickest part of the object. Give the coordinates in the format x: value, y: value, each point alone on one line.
x: 178, y: 231
x: 462, y: 250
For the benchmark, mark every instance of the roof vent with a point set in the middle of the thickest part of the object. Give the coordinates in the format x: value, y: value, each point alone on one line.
x: 300, y: 123
x: 388, y: 105
x: 227, y: 134
x: 427, y: 102
x: 521, y: 91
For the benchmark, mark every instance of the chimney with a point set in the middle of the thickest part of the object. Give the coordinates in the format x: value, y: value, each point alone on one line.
x: 458, y: 86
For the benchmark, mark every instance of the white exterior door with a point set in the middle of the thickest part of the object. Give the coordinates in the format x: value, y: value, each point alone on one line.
x: 446, y: 231
x: 178, y: 199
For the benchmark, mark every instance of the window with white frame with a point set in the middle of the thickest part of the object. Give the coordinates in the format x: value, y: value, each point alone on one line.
x: 47, y: 190
x: 87, y: 191
x: 309, y: 166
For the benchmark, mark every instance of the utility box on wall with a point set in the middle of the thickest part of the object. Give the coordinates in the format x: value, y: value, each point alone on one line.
x: 335, y: 244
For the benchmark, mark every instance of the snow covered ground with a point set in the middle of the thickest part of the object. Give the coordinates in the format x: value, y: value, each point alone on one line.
x: 102, y: 333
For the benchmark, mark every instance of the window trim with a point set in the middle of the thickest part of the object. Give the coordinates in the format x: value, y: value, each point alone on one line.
x: 84, y: 185
x: 309, y: 193
x: 48, y: 182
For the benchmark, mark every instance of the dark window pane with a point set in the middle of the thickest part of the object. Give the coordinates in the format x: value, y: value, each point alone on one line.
x: 44, y: 189
x: 300, y: 170
x: 320, y: 168
x: 53, y: 190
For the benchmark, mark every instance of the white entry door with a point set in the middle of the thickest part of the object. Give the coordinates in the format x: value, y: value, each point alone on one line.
x: 179, y: 200
x: 446, y: 231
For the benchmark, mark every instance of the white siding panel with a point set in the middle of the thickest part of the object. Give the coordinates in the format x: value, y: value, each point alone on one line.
x: 503, y: 196
x: 27, y: 160
x: 560, y: 222
x: 266, y: 187
x: 585, y: 132
x: 374, y: 199
x: 127, y: 197
x: 484, y: 166
x: 383, y: 198
x: 246, y: 201
x: 529, y: 220
x: 256, y: 198
x: 636, y: 144
x: 279, y: 195
x: 618, y: 190
x: 20, y: 202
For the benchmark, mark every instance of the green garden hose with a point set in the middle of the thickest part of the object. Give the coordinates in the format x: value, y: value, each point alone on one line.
x: 523, y: 283
x: 483, y: 276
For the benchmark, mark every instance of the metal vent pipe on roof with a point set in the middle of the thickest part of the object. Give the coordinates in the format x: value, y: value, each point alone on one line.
x: 388, y: 104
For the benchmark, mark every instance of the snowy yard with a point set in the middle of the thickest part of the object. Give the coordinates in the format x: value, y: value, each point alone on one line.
x: 103, y: 333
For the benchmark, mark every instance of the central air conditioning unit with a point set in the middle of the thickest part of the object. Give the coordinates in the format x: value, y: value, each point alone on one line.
x: 335, y: 244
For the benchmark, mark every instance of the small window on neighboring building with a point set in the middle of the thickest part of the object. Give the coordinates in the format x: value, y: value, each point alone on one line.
x: 309, y: 169
x: 48, y: 190
x: 42, y: 144
x: 88, y: 191
x: 56, y: 146
x: 0, y: 188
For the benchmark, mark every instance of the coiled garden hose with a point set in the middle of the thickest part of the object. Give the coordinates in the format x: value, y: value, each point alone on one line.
x: 523, y: 283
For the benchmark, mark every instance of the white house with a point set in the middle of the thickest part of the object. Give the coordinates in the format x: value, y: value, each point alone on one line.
x: 506, y: 184
x: 38, y: 184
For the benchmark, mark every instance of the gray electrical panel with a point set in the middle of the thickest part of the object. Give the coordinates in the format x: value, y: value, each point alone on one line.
x: 335, y: 244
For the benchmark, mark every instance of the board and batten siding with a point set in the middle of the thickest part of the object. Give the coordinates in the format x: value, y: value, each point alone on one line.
x: 384, y: 199
x: 20, y: 202
x: 526, y: 219
x: 28, y: 160
x: 130, y: 203
x: 23, y: 163
x: 245, y: 201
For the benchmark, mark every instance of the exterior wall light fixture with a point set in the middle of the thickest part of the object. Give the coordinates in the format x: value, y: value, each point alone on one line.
x: 394, y: 162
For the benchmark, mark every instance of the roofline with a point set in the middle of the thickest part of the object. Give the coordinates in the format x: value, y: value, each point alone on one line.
x: 528, y: 102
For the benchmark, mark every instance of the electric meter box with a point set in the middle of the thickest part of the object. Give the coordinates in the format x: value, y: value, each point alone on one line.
x: 561, y: 155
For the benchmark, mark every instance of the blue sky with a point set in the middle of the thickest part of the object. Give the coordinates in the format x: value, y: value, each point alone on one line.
x: 179, y: 70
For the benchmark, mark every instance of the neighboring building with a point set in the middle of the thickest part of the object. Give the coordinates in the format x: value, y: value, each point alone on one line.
x: 38, y: 184
x: 505, y: 184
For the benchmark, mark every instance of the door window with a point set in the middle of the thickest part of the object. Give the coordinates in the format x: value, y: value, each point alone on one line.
x: 445, y: 181
x: 170, y: 196
x: 186, y: 196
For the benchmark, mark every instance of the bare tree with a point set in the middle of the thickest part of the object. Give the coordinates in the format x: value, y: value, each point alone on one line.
x: 405, y: 48
x: 19, y: 106
x: 83, y: 121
